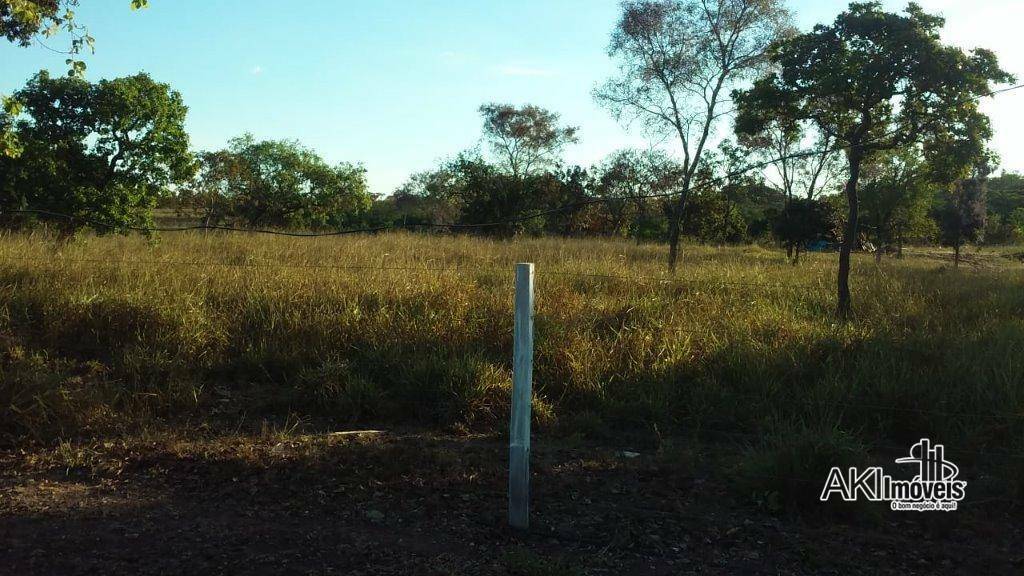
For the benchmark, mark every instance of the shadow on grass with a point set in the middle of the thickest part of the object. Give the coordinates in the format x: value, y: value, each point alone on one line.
x: 420, y: 504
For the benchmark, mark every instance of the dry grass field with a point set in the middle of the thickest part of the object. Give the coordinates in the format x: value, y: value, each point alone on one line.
x: 122, y: 353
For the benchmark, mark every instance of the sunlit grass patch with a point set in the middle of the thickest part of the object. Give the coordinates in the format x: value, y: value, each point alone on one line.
x: 113, y: 334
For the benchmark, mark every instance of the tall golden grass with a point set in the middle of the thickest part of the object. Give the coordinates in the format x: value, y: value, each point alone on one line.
x: 111, y: 334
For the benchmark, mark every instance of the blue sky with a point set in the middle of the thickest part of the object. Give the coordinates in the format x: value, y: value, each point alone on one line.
x: 395, y: 84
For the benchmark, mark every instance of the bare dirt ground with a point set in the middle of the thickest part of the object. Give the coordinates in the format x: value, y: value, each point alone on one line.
x: 426, y: 504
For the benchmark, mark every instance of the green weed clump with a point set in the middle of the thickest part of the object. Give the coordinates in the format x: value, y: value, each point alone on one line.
x: 786, y: 469
x: 111, y: 334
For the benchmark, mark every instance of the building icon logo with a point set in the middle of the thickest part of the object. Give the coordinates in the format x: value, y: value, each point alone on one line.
x: 931, y: 461
x: 935, y: 487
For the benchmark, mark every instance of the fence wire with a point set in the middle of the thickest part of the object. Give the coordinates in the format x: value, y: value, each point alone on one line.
x: 504, y: 271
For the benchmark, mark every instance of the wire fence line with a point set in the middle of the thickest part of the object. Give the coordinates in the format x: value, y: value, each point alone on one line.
x: 682, y: 281
x: 256, y: 265
x: 503, y: 271
x: 822, y: 286
x: 386, y: 268
x: 640, y: 279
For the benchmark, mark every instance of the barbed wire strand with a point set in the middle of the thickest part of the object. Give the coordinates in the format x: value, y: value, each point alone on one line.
x: 257, y: 265
x: 633, y: 279
x: 643, y: 280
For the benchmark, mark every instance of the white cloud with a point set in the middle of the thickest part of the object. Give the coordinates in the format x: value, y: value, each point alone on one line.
x: 256, y: 70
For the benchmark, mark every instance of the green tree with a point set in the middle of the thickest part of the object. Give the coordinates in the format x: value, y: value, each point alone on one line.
x: 527, y: 139
x: 209, y: 196
x: 22, y: 21
x: 564, y: 195
x: 712, y: 218
x: 804, y: 221
x: 734, y: 185
x: 9, y: 110
x: 874, y: 81
x: 99, y: 152
x: 282, y: 184
x: 962, y: 217
x: 485, y: 194
x: 626, y: 182
x: 798, y: 173
x: 677, y: 61
x: 896, y: 199
x: 1016, y: 221
x: 426, y: 198
x: 469, y: 191
x: 1006, y: 193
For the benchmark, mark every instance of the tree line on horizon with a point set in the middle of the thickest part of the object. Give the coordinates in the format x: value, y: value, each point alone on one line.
x: 865, y: 130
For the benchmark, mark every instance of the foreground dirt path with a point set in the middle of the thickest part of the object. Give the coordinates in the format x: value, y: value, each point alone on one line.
x: 417, y: 504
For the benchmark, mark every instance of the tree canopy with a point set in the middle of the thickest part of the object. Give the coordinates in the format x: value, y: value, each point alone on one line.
x: 277, y: 184
x: 677, y: 59
x: 897, y: 199
x: 21, y: 21
x: 526, y: 139
x: 629, y: 183
x: 98, y: 152
x: 877, y: 81
x: 963, y: 214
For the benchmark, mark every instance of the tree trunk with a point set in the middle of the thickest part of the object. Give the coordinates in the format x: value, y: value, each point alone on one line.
x: 845, y: 307
x: 673, y: 243
x: 641, y: 217
x: 878, y: 254
x: 676, y: 223
x: 956, y: 256
x: 674, y: 230
x: 899, y: 248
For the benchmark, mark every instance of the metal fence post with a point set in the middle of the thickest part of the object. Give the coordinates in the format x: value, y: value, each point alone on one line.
x: 522, y: 397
